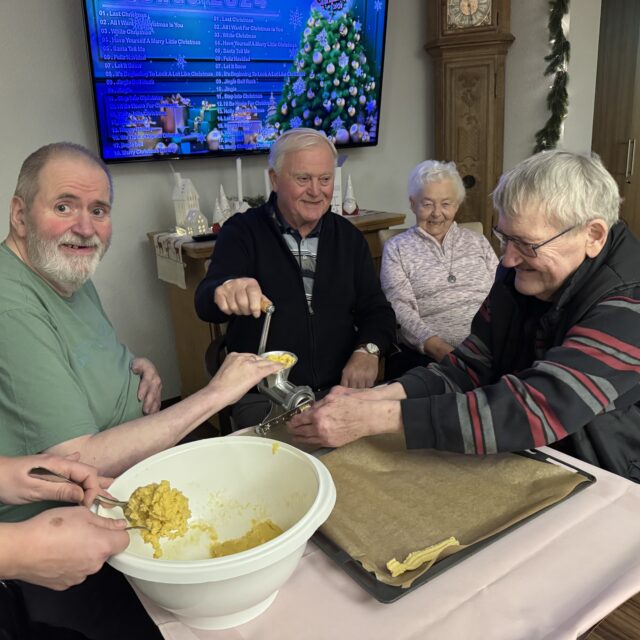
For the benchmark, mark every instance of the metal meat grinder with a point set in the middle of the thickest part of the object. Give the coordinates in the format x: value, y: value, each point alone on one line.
x: 276, y: 386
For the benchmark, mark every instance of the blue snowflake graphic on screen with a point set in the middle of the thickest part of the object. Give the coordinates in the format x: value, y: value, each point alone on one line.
x: 296, y: 122
x: 295, y: 18
x: 181, y: 62
x: 337, y: 123
x: 322, y: 38
x: 378, y: 5
x: 299, y: 86
x: 343, y: 60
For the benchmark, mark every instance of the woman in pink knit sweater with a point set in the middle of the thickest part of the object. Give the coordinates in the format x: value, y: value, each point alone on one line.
x: 436, y: 274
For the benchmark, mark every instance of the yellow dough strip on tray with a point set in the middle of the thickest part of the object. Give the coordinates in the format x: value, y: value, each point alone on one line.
x: 417, y: 558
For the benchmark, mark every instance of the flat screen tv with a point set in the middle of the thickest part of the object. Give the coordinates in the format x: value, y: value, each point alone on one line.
x: 197, y: 78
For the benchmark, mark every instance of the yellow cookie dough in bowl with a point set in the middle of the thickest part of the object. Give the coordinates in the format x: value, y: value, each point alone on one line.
x: 236, y: 487
x: 162, y: 510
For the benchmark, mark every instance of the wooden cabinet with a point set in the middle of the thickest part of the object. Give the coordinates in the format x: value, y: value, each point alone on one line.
x: 616, y: 118
x: 469, y: 42
x: 193, y: 336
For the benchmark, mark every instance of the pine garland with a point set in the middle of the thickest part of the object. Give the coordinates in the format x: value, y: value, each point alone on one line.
x: 558, y: 59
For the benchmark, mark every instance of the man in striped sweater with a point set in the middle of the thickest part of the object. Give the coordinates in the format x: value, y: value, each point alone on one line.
x: 554, y: 352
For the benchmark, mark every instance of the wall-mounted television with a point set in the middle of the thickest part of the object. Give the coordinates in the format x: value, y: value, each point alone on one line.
x: 197, y: 78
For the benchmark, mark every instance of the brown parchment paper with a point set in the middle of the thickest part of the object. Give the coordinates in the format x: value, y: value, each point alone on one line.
x: 391, y: 502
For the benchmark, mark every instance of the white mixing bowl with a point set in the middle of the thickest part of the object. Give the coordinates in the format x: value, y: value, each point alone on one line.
x: 229, y: 483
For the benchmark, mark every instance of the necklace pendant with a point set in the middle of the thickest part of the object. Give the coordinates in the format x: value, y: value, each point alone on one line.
x: 451, y: 278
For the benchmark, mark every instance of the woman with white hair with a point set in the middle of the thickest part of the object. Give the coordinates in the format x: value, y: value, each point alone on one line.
x: 436, y: 274
x: 553, y: 357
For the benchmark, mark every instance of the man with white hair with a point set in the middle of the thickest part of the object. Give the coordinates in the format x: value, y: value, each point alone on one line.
x: 313, y: 265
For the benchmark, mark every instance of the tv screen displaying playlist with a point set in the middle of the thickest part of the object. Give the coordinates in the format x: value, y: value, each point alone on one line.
x: 196, y: 78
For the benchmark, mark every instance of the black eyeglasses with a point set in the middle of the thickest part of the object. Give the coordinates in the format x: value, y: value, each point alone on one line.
x: 525, y: 248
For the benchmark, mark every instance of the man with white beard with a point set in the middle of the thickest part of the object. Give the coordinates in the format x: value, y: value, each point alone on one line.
x: 67, y: 385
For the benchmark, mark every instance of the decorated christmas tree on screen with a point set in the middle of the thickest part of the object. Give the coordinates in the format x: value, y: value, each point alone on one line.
x: 331, y: 85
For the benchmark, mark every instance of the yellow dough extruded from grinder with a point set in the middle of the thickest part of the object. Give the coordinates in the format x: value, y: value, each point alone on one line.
x: 417, y: 558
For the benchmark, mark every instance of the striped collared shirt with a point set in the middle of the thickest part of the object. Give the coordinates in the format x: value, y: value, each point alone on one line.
x: 304, y: 250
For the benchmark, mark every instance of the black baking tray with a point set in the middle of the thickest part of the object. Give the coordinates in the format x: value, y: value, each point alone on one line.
x: 387, y: 593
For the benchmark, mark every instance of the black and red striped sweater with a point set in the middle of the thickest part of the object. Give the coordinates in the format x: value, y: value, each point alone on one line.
x: 564, y: 373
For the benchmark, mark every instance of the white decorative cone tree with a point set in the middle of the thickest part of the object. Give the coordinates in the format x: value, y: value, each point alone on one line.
x: 224, y: 204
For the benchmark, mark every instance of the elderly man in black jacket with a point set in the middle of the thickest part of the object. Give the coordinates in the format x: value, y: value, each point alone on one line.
x: 313, y: 265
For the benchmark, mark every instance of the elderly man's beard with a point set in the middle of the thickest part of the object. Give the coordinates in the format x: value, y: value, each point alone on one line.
x: 68, y: 272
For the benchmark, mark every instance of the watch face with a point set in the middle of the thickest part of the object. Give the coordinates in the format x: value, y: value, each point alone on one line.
x: 372, y: 348
x: 462, y: 14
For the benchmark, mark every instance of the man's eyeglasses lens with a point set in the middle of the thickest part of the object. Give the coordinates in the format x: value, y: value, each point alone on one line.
x: 525, y: 249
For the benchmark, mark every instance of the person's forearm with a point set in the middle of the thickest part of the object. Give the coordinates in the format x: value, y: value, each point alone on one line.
x: 393, y: 391
x: 436, y: 348
x: 11, y: 550
x: 388, y: 418
x: 205, y: 306
x: 114, y: 450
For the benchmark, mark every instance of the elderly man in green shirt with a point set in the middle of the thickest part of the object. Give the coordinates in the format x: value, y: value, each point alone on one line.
x: 67, y: 384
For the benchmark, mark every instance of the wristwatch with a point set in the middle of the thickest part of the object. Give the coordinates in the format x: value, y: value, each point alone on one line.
x: 370, y: 348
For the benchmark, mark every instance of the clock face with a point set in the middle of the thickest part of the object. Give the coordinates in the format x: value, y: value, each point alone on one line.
x: 463, y: 14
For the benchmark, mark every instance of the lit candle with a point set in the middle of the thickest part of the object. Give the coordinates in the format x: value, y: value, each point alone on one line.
x: 239, y: 178
x: 267, y: 184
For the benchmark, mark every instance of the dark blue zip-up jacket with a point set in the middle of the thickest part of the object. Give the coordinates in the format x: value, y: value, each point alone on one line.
x: 349, y: 307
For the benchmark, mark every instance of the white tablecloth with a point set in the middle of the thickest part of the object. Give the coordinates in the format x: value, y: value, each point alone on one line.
x: 553, y: 578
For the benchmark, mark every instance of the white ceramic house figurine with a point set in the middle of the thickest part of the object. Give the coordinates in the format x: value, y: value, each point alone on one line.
x: 196, y: 223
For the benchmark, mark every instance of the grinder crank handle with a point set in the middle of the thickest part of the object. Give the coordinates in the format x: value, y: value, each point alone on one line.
x: 267, y: 308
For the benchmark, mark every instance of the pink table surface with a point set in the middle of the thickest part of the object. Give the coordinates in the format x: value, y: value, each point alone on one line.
x: 552, y: 578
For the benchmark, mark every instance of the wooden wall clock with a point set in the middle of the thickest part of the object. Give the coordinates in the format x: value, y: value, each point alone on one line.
x: 469, y: 41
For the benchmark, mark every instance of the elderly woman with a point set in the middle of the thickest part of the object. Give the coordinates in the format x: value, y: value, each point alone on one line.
x: 436, y: 274
x: 554, y: 353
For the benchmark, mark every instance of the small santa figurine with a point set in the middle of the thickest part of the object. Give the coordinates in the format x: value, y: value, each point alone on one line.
x: 218, y: 218
x: 349, y: 205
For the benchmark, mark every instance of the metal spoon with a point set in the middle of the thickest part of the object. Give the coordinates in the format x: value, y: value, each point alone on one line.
x: 43, y: 473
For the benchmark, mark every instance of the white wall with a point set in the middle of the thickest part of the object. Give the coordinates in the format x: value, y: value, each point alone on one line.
x: 527, y: 87
x: 46, y: 96
x: 583, y: 34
